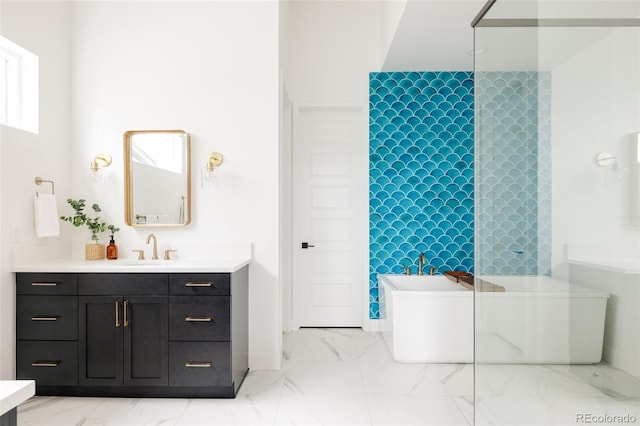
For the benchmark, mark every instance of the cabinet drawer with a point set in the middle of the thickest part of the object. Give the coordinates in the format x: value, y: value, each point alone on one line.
x: 47, y: 317
x: 199, y: 284
x: 199, y: 364
x: 199, y: 318
x: 47, y: 362
x: 55, y: 284
x: 122, y: 284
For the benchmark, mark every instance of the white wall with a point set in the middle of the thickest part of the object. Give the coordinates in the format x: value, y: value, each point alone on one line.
x: 210, y: 68
x: 285, y: 166
x: 390, y: 16
x: 433, y: 35
x: 333, y: 47
x: 42, y: 28
x: 595, y: 108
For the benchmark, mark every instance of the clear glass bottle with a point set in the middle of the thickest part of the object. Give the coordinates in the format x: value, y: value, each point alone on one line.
x: 112, y: 250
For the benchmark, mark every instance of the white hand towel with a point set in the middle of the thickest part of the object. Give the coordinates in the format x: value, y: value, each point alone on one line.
x: 46, y: 216
x: 152, y: 218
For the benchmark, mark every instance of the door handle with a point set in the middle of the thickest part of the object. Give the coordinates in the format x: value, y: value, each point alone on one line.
x: 117, y: 314
x: 306, y: 245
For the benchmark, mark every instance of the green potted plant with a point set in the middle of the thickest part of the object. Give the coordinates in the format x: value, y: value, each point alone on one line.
x: 95, y: 250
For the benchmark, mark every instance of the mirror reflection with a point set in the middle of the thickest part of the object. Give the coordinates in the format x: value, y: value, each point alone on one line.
x: 157, y: 178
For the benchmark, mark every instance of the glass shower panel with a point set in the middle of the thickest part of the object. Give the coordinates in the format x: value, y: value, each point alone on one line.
x: 557, y: 247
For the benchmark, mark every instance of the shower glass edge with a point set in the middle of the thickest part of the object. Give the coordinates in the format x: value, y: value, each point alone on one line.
x: 557, y: 246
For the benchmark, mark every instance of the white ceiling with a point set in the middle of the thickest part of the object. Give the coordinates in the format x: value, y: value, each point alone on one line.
x: 434, y: 35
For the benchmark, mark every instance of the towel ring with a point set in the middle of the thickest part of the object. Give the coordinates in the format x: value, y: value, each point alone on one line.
x: 39, y: 181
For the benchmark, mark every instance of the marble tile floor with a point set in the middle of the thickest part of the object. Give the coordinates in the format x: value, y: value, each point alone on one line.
x: 546, y: 395
x: 339, y: 376
x: 345, y: 376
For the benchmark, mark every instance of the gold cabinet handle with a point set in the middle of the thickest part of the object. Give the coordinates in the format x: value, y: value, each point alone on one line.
x: 45, y: 364
x: 197, y: 319
x: 126, y: 316
x: 44, y: 284
x: 117, y: 313
x: 199, y: 364
x: 194, y: 284
x: 39, y: 318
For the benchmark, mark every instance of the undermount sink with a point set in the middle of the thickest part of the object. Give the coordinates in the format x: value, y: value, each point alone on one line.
x: 178, y: 263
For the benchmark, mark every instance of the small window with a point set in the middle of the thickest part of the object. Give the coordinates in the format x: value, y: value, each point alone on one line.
x: 18, y: 87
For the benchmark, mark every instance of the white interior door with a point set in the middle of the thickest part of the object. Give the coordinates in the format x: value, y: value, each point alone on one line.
x: 329, y: 199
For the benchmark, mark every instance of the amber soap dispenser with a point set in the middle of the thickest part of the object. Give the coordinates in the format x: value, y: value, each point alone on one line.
x: 112, y: 250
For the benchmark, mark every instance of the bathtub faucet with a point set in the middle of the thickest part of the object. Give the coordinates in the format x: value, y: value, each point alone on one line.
x: 432, y: 270
x: 421, y: 261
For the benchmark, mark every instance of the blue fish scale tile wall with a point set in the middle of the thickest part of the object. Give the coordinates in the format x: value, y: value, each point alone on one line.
x: 421, y: 177
x: 513, y: 173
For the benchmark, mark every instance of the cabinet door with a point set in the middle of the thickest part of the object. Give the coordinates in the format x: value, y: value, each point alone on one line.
x: 145, y: 326
x: 100, y: 340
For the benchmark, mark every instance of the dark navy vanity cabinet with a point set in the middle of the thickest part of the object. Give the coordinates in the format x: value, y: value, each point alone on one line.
x: 133, y: 334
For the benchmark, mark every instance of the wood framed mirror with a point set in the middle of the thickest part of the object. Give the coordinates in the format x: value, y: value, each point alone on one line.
x: 157, y: 170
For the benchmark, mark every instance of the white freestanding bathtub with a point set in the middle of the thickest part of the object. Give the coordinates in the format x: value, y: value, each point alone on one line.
x: 539, y: 320
x: 535, y: 320
x: 426, y: 318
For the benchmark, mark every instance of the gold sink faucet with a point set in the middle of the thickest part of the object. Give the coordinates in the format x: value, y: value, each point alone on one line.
x: 421, y: 261
x: 155, y: 246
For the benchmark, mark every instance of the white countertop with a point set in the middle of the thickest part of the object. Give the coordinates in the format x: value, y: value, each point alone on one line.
x: 14, y: 393
x: 135, y: 266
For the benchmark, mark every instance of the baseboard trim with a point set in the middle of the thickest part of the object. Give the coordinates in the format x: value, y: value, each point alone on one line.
x: 371, y: 325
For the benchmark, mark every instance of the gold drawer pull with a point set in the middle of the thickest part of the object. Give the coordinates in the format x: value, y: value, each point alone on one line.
x: 45, y: 364
x: 37, y: 318
x: 198, y: 364
x: 44, y: 284
x: 198, y: 319
x: 192, y: 284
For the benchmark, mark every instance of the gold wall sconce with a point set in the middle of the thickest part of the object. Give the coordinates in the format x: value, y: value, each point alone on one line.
x: 215, y: 160
x: 100, y: 161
